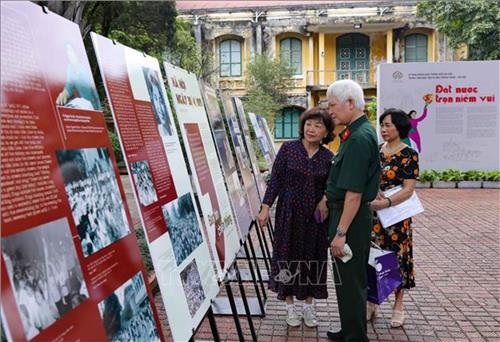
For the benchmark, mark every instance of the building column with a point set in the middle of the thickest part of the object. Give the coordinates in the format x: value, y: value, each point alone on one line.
x: 310, y: 66
x: 389, y: 46
x: 272, y: 47
x: 321, y: 54
x: 258, y: 38
x: 197, y: 34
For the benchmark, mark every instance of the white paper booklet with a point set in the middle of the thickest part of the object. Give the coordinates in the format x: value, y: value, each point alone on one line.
x: 409, y: 208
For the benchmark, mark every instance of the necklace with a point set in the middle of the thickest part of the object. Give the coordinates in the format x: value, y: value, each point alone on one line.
x: 398, y: 148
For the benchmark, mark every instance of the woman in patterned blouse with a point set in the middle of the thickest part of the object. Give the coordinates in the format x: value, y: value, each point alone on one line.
x: 399, y: 164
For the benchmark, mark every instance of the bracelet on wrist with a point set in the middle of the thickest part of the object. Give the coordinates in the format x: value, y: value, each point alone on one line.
x: 390, y: 202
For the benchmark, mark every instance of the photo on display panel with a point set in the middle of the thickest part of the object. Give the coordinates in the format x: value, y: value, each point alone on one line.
x: 127, y: 313
x: 79, y: 89
x: 143, y: 182
x: 158, y: 103
x: 183, y: 229
x: 44, y: 273
x: 191, y: 282
x: 94, y: 197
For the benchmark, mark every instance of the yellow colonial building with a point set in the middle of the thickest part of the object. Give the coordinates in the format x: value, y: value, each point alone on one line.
x: 322, y: 40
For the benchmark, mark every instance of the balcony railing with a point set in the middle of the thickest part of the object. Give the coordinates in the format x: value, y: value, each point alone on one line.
x: 323, y: 78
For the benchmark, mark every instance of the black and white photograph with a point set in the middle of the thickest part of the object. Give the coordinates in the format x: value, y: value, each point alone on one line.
x: 143, y: 182
x: 191, y: 282
x: 183, y: 226
x: 158, y: 103
x: 127, y: 313
x: 94, y: 197
x: 44, y: 273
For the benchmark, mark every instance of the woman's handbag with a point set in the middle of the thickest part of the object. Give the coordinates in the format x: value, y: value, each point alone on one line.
x: 383, y: 274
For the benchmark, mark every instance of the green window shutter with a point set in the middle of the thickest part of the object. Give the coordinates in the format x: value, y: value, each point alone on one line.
x: 278, y: 127
x: 287, y: 125
x: 230, y: 58
x: 291, y: 54
x: 416, y: 48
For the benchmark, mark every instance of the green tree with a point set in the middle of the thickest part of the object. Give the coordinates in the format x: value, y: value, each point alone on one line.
x: 473, y: 22
x: 185, y: 53
x: 267, y: 81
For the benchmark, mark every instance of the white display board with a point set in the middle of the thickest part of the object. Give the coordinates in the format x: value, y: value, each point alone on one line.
x: 265, y: 127
x: 221, y: 226
x: 244, y: 162
x: 240, y: 111
x: 455, y: 107
x: 162, y: 187
x: 261, y: 139
x: 238, y: 195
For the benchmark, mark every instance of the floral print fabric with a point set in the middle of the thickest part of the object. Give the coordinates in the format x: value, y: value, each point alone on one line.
x: 398, y: 237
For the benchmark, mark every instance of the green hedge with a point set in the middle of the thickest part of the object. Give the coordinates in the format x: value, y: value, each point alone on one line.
x: 452, y: 175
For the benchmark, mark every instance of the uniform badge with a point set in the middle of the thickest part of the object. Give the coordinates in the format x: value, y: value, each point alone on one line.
x: 345, y: 134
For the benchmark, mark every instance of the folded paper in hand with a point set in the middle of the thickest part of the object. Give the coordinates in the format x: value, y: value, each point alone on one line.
x: 397, y: 213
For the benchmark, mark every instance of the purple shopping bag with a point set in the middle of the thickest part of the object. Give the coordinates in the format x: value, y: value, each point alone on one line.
x: 383, y: 275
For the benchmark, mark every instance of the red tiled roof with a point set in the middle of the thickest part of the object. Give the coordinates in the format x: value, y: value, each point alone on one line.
x: 186, y: 5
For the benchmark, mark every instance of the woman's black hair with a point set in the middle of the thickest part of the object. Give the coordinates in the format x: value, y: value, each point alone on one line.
x: 317, y: 113
x: 399, y: 119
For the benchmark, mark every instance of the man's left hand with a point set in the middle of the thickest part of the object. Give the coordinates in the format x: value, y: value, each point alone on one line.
x: 337, y: 246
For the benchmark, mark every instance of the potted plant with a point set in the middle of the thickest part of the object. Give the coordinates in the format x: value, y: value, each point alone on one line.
x: 471, y: 180
x: 426, y: 178
x: 491, y: 180
x: 448, y: 179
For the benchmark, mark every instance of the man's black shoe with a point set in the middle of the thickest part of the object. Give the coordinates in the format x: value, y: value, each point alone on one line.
x: 335, y: 335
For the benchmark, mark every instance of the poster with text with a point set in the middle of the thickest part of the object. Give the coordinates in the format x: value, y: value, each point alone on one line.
x: 264, y: 126
x: 242, y: 157
x: 453, y: 108
x: 237, y: 193
x: 240, y: 111
x: 67, y: 237
x: 223, y: 232
x: 162, y: 188
x: 261, y: 139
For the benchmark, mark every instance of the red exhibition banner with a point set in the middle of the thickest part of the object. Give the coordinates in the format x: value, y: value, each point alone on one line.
x: 71, y: 266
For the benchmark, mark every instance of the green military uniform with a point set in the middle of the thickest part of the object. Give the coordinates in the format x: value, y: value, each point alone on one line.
x: 355, y: 168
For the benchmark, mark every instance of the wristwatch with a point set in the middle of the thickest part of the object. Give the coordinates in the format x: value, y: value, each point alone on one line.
x: 340, y: 232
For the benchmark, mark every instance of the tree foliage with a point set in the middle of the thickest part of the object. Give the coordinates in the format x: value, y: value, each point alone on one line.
x: 185, y: 53
x: 267, y: 81
x: 473, y: 22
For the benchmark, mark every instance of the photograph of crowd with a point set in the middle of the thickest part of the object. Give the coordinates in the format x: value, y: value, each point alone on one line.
x: 144, y: 182
x: 127, y: 313
x: 191, y: 282
x: 44, y: 273
x: 158, y: 102
x: 183, y: 226
x: 94, y: 197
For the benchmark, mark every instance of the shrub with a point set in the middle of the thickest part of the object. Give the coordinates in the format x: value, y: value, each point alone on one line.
x: 491, y: 176
x: 451, y: 175
x: 428, y: 176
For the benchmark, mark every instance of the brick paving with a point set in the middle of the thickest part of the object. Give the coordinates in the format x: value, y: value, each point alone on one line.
x: 456, y: 243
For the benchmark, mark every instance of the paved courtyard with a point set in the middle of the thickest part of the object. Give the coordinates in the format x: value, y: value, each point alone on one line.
x: 456, y: 244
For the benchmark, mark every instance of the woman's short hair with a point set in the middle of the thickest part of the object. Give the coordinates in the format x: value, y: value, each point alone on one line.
x: 344, y: 90
x: 399, y: 119
x: 317, y: 113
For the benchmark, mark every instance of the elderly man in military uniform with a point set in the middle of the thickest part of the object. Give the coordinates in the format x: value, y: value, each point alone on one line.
x: 352, y: 183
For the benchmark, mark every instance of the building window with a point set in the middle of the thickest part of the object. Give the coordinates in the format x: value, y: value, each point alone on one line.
x: 230, y: 58
x: 353, y: 57
x: 416, y: 48
x: 286, y: 126
x: 291, y: 54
